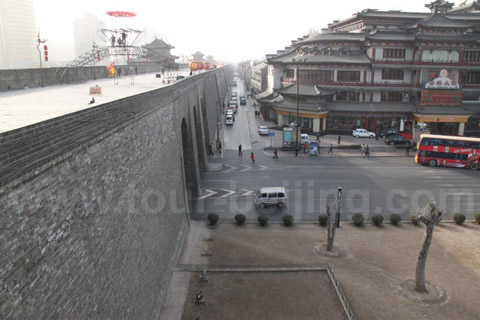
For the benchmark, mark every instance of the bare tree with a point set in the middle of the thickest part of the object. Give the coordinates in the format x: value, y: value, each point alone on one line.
x: 430, y: 216
x: 332, y: 225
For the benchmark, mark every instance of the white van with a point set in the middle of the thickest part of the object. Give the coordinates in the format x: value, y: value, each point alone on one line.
x: 229, y: 120
x: 304, y: 138
x: 271, y: 196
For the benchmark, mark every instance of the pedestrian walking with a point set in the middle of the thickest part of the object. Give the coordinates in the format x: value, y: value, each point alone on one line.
x: 305, y: 147
x: 367, y: 152
x: 240, y: 150
x: 275, y: 154
x: 362, y: 150
x: 321, y: 134
x: 318, y: 137
x: 219, y: 147
x: 339, y: 138
x: 210, y: 150
x: 252, y: 157
x: 407, y: 150
x: 330, y: 149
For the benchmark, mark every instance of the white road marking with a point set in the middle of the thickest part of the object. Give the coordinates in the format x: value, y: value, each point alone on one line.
x: 230, y: 192
x: 231, y: 168
x: 210, y: 193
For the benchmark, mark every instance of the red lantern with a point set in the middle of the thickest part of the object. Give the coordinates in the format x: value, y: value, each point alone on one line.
x: 194, y: 66
x: 45, y: 52
x: 206, y: 66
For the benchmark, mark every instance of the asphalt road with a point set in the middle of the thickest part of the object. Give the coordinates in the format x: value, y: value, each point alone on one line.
x: 381, y: 185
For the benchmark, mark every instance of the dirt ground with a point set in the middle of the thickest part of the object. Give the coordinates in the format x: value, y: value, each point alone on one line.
x: 373, y: 270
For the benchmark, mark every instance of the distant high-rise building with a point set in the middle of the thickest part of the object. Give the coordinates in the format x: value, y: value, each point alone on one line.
x: 85, y: 31
x: 18, y: 35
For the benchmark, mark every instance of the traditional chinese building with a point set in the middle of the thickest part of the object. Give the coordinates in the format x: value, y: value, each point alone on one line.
x: 162, y: 54
x: 382, y: 69
x: 198, y: 56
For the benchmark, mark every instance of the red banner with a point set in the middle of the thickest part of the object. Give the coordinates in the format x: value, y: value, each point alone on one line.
x: 442, y: 97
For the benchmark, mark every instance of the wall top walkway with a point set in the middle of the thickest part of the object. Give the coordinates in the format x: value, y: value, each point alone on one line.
x: 21, y: 108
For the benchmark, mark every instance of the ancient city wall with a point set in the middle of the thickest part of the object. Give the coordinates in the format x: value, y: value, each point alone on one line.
x: 32, y: 78
x: 93, y: 204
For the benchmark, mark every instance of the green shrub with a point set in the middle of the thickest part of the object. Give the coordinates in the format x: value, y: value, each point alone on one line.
x: 476, y: 217
x: 414, y: 219
x: 358, y: 219
x: 377, y: 219
x: 459, y: 218
x: 395, y: 218
x: 322, y: 220
x: 287, y: 220
x: 240, y: 219
x: 262, y: 220
x: 212, y: 218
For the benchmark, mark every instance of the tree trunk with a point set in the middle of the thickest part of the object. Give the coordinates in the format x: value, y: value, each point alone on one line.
x: 430, y: 216
x: 422, y: 259
x: 330, y: 230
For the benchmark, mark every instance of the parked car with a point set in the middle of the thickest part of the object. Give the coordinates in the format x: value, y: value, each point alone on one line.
x: 362, y: 133
x: 243, y: 101
x: 396, y: 140
x: 388, y: 133
x: 229, y: 120
x: 234, y: 94
x: 263, y: 131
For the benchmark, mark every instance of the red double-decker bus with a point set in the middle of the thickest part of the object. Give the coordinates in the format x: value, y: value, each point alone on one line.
x: 448, y: 151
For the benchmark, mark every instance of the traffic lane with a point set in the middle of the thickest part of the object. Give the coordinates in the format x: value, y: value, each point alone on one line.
x: 373, y: 189
x: 306, y: 204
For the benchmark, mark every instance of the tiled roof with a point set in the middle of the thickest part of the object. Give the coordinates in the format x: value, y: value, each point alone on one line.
x: 472, y: 107
x: 356, y: 57
x: 303, y: 90
x: 302, y: 105
x: 158, y: 43
x: 369, y: 107
x: 442, y: 110
x: 267, y: 94
x: 454, y: 38
x: 392, y: 36
x: 334, y: 37
x: 439, y: 21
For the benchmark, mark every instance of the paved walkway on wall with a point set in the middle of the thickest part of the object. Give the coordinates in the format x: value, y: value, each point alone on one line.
x: 21, y: 108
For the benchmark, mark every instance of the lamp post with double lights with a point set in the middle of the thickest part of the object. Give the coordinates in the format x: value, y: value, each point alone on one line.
x: 94, y: 53
x: 40, y: 41
x: 298, y: 103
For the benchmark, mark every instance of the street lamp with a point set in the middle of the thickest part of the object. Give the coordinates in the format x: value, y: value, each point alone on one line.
x: 298, y: 95
x: 94, y: 47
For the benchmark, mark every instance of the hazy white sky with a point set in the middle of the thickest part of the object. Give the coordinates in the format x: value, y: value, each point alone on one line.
x: 227, y: 30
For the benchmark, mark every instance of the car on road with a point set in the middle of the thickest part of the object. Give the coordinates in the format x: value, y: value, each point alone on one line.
x: 388, y: 132
x: 234, y: 94
x: 362, y: 133
x: 229, y: 120
x: 272, y: 196
x: 397, y: 139
x: 243, y: 101
x: 234, y: 83
x: 263, y: 131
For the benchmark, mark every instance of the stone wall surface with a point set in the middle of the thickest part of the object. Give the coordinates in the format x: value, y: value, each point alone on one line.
x: 93, y: 208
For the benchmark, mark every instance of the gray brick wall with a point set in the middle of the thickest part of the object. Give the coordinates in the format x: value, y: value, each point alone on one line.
x: 93, y: 216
